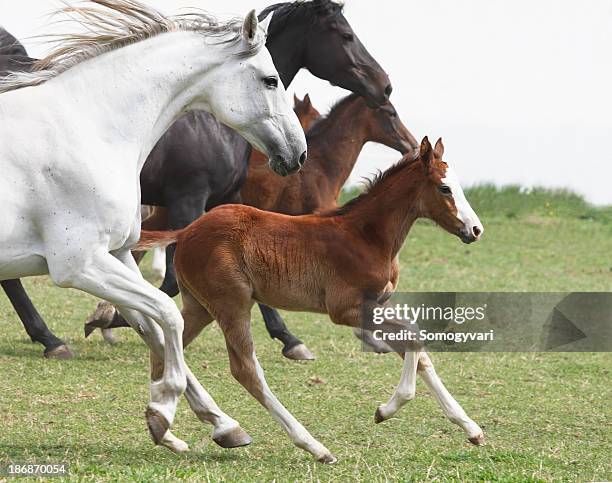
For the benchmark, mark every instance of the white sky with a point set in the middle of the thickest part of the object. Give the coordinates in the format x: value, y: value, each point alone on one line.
x: 520, y: 90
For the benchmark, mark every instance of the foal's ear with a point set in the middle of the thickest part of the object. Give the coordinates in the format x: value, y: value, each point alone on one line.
x: 439, y: 149
x: 426, y: 154
x: 265, y: 23
x: 249, y: 29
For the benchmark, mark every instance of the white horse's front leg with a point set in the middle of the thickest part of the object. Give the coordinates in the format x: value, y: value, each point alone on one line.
x: 404, y: 392
x: 226, y: 430
x: 451, y: 408
x: 104, y: 276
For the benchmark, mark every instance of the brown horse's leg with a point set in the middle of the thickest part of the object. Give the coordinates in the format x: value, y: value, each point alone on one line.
x: 451, y: 408
x: 348, y: 310
x: 227, y: 433
x: 247, y: 371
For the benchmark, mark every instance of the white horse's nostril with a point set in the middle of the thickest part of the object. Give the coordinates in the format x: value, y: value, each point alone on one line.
x: 477, y: 231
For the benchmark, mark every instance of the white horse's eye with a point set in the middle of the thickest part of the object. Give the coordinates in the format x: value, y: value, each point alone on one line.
x: 445, y: 190
x: 271, y: 82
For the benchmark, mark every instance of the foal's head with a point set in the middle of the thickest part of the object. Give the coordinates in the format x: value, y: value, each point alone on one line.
x: 441, y: 197
x: 305, y: 111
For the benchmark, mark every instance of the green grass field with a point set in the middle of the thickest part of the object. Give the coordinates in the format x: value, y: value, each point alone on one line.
x: 546, y: 416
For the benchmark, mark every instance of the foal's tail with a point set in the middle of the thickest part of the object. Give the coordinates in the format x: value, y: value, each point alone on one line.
x: 153, y: 239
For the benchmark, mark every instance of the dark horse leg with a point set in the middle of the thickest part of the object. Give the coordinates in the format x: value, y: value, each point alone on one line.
x: 32, y: 321
x: 293, y: 348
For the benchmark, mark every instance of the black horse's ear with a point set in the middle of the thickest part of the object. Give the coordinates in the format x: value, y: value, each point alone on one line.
x: 426, y: 154
x: 249, y: 28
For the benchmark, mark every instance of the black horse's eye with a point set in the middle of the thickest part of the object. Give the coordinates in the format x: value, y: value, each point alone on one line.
x: 348, y: 37
x: 445, y: 190
x: 271, y: 82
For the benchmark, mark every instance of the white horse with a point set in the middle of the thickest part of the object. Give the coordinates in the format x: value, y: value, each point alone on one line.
x: 75, y: 134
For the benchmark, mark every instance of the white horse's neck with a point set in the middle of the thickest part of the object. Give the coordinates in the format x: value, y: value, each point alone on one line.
x: 138, y: 91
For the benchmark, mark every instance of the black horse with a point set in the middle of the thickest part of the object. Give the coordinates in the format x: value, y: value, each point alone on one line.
x: 199, y: 164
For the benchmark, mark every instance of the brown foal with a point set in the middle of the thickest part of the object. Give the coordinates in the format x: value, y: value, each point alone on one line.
x: 334, y: 144
x: 340, y: 262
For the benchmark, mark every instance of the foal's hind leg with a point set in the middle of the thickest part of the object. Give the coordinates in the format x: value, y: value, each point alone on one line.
x: 247, y: 371
x: 227, y: 433
x: 293, y: 348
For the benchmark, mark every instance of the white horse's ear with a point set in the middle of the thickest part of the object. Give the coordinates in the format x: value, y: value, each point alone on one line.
x: 249, y: 29
x: 265, y: 23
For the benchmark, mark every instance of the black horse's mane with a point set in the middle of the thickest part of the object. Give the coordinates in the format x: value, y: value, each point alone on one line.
x: 323, y: 123
x: 306, y: 10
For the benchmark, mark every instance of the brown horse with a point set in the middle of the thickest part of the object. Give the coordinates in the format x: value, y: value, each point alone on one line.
x: 341, y: 262
x: 334, y: 144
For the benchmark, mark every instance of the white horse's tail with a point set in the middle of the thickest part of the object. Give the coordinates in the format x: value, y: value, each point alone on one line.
x: 153, y: 239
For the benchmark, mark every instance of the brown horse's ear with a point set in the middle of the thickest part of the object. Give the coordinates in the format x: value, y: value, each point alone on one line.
x: 439, y: 149
x: 296, y: 100
x: 307, y: 100
x: 426, y: 154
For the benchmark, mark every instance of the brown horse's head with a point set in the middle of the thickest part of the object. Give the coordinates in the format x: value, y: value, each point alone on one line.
x: 305, y: 111
x: 385, y: 127
x: 441, y: 197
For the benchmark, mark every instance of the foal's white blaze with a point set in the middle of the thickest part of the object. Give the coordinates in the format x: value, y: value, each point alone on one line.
x: 472, y: 227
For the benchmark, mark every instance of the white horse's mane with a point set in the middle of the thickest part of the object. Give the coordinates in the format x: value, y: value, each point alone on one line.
x: 117, y: 24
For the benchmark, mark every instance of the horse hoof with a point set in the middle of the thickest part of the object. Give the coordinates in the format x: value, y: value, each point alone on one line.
x: 235, y: 438
x: 108, y: 336
x: 174, y: 444
x: 327, y: 459
x: 299, y: 353
x: 62, y: 352
x: 477, y: 440
x: 378, y: 416
x: 157, y: 424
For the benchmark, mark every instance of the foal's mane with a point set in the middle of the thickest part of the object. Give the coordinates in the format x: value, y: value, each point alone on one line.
x: 324, y: 122
x: 374, y: 186
x: 117, y: 24
x: 307, y: 10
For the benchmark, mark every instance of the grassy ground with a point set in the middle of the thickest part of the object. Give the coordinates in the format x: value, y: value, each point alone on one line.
x: 546, y: 416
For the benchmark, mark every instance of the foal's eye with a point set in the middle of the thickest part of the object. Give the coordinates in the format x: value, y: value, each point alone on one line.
x: 271, y: 82
x: 348, y: 37
x: 445, y: 190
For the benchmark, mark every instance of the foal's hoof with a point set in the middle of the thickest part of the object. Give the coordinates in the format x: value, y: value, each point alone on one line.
x: 235, y: 438
x: 299, y: 353
x: 327, y: 459
x: 477, y: 440
x: 62, y: 352
x: 157, y: 424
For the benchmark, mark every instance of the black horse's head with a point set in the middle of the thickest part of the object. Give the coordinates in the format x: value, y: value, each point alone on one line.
x: 328, y: 47
x: 9, y: 45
